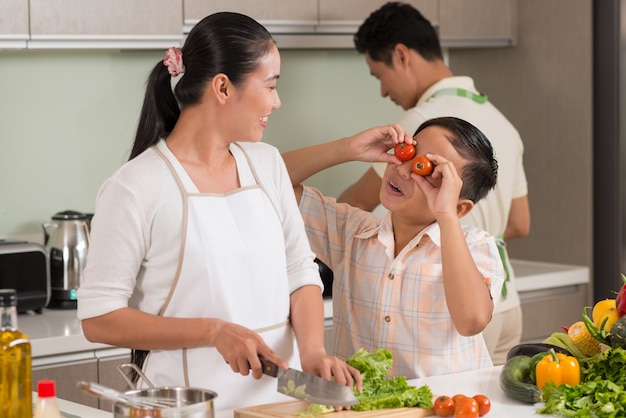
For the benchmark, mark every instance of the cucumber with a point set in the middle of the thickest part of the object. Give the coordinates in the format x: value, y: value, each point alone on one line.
x: 515, y: 380
x: 533, y: 366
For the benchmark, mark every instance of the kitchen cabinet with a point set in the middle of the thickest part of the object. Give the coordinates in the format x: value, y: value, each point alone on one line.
x: 108, y: 373
x: 547, y: 310
x: 278, y: 16
x: 13, y: 23
x: 266, y: 10
x: 332, y: 23
x: 61, y: 352
x: 333, y: 11
x: 66, y: 370
x: 304, y: 15
x: 98, y: 366
x: 465, y: 23
x: 551, y: 295
x: 105, y: 24
x: 150, y: 24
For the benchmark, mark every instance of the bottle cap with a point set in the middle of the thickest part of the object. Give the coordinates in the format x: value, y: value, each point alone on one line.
x: 8, y: 297
x: 46, y: 389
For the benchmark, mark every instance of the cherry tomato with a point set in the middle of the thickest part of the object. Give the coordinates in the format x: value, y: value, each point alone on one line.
x: 443, y: 406
x: 466, y: 407
x: 422, y: 166
x: 484, y: 404
x: 404, y: 151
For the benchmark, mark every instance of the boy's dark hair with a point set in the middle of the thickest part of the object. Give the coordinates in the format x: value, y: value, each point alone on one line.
x: 224, y: 42
x: 481, y: 171
x: 397, y: 23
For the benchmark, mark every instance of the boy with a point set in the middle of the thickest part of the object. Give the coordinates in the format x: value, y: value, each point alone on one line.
x: 417, y: 283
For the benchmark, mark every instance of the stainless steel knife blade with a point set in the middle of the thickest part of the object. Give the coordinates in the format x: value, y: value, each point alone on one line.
x: 309, y: 388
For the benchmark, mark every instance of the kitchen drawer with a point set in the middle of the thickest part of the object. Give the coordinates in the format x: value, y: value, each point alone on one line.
x: 108, y: 373
x: 66, y: 371
x: 546, y: 310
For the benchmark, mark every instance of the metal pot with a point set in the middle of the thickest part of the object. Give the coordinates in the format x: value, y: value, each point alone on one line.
x: 197, y: 403
x: 191, y: 402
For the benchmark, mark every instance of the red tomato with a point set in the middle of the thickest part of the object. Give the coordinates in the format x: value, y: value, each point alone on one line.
x: 484, y: 404
x: 422, y: 166
x: 444, y: 406
x: 466, y: 408
x: 404, y: 151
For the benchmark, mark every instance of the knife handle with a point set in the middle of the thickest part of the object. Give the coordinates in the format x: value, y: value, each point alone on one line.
x: 269, y: 368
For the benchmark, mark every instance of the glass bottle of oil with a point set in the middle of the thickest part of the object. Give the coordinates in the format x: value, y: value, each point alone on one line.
x: 15, y: 362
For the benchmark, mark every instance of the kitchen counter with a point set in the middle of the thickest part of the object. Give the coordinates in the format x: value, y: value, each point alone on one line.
x: 55, y: 332
x: 536, y: 275
x: 483, y: 381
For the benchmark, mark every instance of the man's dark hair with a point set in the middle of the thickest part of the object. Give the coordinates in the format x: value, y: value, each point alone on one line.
x: 397, y: 23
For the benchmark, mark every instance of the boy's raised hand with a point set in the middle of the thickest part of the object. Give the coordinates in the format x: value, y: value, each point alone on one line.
x: 443, y: 188
x: 373, y: 144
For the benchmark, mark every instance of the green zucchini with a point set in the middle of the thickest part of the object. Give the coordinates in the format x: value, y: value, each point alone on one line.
x: 533, y: 366
x: 515, y: 380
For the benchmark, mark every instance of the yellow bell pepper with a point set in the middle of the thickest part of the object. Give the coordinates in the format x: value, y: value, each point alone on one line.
x: 558, y: 368
x: 604, y: 314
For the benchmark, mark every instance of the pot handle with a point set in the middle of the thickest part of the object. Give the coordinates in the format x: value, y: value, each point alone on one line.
x: 121, y: 368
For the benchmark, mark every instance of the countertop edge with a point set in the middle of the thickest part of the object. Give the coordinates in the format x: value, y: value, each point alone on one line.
x: 547, y: 275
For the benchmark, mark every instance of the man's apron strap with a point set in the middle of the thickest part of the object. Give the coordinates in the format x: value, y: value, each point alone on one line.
x: 502, y: 251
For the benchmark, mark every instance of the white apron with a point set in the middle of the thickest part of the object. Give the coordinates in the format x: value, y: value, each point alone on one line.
x: 232, y: 267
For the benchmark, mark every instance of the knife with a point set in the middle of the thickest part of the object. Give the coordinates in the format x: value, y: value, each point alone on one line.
x: 309, y: 388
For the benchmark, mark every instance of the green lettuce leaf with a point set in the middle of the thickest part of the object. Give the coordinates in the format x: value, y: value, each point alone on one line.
x: 382, y: 393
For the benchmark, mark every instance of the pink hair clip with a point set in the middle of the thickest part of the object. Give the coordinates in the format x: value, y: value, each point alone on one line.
x: 174, y: 61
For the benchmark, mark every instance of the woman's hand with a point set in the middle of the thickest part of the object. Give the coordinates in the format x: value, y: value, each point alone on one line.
x: 373, y: 144
x: 333, y: 369
x: 241, y: 348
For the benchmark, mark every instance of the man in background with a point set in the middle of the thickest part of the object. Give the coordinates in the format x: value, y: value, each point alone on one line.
x: 402, y: 51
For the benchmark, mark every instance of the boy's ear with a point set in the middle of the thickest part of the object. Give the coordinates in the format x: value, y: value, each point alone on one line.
x: 463, y: 207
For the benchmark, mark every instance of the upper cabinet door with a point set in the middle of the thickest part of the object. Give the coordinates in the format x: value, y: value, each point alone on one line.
x: 477, y: 22
x: 105, y: 24
x: 13, y: 23
x: 281, y: 13
x: 359, y: 10
x: 282, y: 18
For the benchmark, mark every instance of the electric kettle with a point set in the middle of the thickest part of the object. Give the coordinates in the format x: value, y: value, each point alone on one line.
x: 66, y: 239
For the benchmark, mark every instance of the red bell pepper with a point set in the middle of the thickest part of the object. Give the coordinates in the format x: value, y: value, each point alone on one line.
x: 620, y: 300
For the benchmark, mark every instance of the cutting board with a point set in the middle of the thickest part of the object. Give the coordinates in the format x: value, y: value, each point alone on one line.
x: 289, y: 408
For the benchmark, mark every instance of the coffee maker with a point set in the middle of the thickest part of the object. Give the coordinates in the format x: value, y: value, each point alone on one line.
x: 66, y: 240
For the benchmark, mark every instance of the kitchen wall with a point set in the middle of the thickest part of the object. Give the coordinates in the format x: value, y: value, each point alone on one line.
x: 544, y: 86
x: 67, y: 120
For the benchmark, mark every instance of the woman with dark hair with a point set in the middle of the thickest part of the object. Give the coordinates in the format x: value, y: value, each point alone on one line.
x: 198, y: 254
